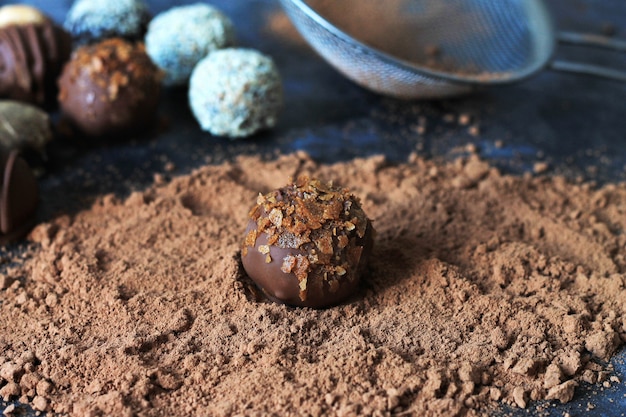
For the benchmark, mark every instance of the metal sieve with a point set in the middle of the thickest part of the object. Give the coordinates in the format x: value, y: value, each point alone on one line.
x: 439, y: 48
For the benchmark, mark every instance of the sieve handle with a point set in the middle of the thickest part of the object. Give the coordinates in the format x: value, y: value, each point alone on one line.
x: 589, y: 39
x: 595, y: 41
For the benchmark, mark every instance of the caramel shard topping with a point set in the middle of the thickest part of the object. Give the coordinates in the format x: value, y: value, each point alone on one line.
x: 320, y: 186
x: 125, y: 51
x: 302, y: 267
x: 268, y: 259
x: 311, y: 212
x: 250, y: 239
x: 299, y: 227
x: 255, y: 213
x: 342, y: 241
x: 302, y: 181
x: 289, y: 263
x: 262, y: 223
x: 302, y: 284
x: 113, y: 90
x: 276, y: 217
x: 301, y: 271
x: 264, y: 249
x: 273, y: 239
x: 96, y: 64
x: 325, y: 243
x: 332, y: 211
x: 117, y: 80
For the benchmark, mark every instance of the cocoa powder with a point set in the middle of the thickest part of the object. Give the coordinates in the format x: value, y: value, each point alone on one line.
x: 482, y: 288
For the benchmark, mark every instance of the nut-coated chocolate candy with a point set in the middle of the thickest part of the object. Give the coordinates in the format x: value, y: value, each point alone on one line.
x: 91, y: 21
x: 33, y: 50
x: 236, y: 92
x: 19, y: 197
x: 307, y: 244
x: 109, y: 88
x: 180, y: 37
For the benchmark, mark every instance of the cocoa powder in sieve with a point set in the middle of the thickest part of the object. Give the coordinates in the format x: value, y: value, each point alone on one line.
x: 482, y: 288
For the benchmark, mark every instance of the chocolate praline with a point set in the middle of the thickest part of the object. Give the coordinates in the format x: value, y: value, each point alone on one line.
x: 236, y: 92
x: 91, y: 21
x: 19, y: 197
x: 110, y: 88
x: 307, y: 244
x: 33, y: 50
x: 23, y: 127
x: 180, y: 37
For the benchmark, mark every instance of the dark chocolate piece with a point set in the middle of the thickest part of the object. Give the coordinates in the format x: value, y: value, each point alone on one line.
x: 18, y: 198
x: 111, y: 87
x: 307, y: 244
x: 31, y: 58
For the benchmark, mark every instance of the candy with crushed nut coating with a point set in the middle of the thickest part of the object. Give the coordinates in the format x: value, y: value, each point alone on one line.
x: 93, y: 20
x: 307, y: 243
x: 236, y: 92
x: 180, y: 37
x: 111, y: 88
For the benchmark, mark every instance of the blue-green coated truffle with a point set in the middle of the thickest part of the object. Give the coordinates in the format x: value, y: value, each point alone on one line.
x: 93, y: 20
x: 180, y: 37
x: 236, y: 92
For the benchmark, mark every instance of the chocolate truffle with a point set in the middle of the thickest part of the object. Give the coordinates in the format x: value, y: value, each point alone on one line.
x: 32, y: 52
x: 110, y: 88
x: 236, y: 92
x: 91, y: 21
x: 18, y: 197
x: 306, y: 244
x: 23, y: 126
x: 180, y: 37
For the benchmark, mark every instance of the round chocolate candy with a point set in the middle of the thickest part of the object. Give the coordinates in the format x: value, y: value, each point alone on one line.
x: 109, y: 88
x: 236, y: 92
x: 180, y: 37
x: 307, y: 244
x: 33, y: 50
x: 18, y: 197
x: 91, y: 21
x: 23, y: 126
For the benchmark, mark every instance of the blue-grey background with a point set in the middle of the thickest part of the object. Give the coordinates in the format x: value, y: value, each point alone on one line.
x: 575, y: 124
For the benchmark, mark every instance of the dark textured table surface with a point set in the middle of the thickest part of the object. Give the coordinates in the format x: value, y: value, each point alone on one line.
x: 577, y: 125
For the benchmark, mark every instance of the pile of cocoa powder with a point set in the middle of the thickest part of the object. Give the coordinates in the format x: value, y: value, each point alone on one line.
x: 482, y: 288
